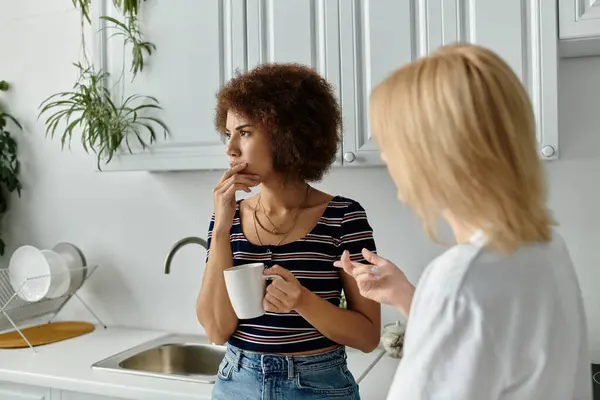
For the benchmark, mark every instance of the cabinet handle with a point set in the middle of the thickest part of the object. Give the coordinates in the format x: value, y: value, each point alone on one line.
x: 548, y: 151
x: 349, y: 157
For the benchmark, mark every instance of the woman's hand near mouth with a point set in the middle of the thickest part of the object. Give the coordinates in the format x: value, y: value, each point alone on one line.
x: 224, y: 194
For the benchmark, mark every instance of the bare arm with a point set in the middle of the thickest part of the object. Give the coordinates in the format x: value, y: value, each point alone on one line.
x: 357, y: 327
x: 213, y: 308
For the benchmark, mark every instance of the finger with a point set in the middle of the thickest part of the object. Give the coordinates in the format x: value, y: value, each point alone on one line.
x: 248, y: 180
x: 365, y: 269
x: 345, y: 263
x: 268, y: 306
x: 234, y: 188
x: 233, y: 170
x: 275, y: 302
x: 280, y: 271
x: 373, y: 258
x: 367, y: 282
x: 343, y: 266
x: 276, y: 291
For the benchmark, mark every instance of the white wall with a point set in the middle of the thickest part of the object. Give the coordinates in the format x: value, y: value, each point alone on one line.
x: 126, y: 222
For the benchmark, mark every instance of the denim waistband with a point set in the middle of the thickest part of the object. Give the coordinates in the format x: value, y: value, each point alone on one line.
x: 270, y: 363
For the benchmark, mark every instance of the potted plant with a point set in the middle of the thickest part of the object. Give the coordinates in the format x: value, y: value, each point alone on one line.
x: 106, y: 124
x: 9, y: 163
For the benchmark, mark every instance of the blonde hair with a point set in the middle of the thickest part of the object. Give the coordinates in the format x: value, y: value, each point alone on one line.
x: 457, y: 130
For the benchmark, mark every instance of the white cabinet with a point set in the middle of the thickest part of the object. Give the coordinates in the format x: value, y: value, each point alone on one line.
x: 523, y: 32
x: 296, y: 31
x: 13, y: 391
x: 66, y: 395
x: 379, y: 36
x: 579, y: 27
x: 353, y: 43
x: 199, y: 45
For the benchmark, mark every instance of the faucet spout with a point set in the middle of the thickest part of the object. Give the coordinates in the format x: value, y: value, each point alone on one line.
x: 178, y: 245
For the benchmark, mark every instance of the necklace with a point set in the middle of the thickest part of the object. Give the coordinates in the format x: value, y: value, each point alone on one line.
x: 275, y: 231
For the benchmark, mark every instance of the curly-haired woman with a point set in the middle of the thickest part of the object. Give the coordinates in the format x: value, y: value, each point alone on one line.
x: 282, y: 122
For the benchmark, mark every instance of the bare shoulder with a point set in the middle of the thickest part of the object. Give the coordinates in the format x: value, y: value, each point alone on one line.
x: 248, y: 204
x: 319, y: 199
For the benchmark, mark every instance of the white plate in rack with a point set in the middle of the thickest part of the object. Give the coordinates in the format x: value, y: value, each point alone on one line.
x: 75, y: 261
x: 61, y: 276
x: 29, y: 273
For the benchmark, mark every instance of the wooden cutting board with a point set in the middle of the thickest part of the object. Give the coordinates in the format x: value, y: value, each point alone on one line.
x: 44, y: 334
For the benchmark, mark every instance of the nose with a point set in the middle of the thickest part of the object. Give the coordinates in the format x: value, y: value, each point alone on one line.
x: 233, y: 150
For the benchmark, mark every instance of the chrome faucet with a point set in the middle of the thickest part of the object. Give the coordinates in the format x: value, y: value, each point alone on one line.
x: 178, y: 245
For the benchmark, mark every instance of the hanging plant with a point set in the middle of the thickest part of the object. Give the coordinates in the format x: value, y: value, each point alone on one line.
x: 84, y: 7
x: 133, y: 36
x: 9, y: 163
x: 106, y: 124
x: 130, y: 29
x: 128, y: 7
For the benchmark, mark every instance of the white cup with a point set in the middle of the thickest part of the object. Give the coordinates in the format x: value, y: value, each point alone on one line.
x: 246, y: 286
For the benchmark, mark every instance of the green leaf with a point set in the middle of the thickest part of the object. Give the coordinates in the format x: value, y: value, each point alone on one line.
x: 105, y: 124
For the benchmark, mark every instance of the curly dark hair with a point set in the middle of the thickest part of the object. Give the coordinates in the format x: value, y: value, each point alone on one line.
x: 296, y: 108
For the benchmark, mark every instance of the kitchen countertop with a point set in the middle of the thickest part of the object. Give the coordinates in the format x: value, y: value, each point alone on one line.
x: 67, y: 365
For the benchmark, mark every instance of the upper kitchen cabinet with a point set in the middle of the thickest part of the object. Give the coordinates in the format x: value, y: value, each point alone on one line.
x: 295, y: 31
x: 353, y: 43
x: 378, y: 36
x: 579, y: 28
x: 199, y: 46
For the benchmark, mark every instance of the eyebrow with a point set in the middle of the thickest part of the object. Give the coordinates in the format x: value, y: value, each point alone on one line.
x: 240, y: 127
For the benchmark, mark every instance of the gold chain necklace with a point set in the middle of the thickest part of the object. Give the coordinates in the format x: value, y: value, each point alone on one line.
x: 257, y: 222
x: 276, y: 231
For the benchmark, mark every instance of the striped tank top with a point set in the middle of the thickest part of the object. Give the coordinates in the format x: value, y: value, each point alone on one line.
x: 342, y: 226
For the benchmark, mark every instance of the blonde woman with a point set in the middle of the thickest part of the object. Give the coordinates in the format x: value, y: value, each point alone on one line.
x: 499, y: 315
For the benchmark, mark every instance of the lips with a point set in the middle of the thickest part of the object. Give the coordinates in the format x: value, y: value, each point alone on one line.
x: 235, y: 163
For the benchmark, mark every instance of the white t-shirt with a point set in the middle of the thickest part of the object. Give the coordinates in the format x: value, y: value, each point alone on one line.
x: 488, y: 326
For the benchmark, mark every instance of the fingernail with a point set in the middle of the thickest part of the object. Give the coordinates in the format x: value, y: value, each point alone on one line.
x: 374, y: 269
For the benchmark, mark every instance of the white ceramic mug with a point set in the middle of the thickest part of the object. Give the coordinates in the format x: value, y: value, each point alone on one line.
x: 246, y: 286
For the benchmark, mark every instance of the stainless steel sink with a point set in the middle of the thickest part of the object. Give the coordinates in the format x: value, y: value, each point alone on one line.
x: 182, y: 357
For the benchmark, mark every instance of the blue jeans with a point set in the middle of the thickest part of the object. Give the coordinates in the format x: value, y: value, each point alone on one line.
x: 257, y: 376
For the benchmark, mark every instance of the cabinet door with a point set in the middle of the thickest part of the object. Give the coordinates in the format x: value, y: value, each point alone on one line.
x: 295, y: 31
x: 579, y: 19
x: 523, y: 32
x: 199, y: 45
x: 579, y: 28
x: 380, y: 36
x: 377, y: 36
x: 12, y: 391
x: 66, y: 395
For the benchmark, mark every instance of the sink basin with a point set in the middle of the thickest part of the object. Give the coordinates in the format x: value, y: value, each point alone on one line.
x: 182, y: 357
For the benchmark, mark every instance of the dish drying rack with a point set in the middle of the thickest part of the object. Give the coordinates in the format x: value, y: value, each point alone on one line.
x: 16, y: 309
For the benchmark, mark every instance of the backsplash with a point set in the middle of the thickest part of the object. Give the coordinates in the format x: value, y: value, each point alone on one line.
x: 127, y: 221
